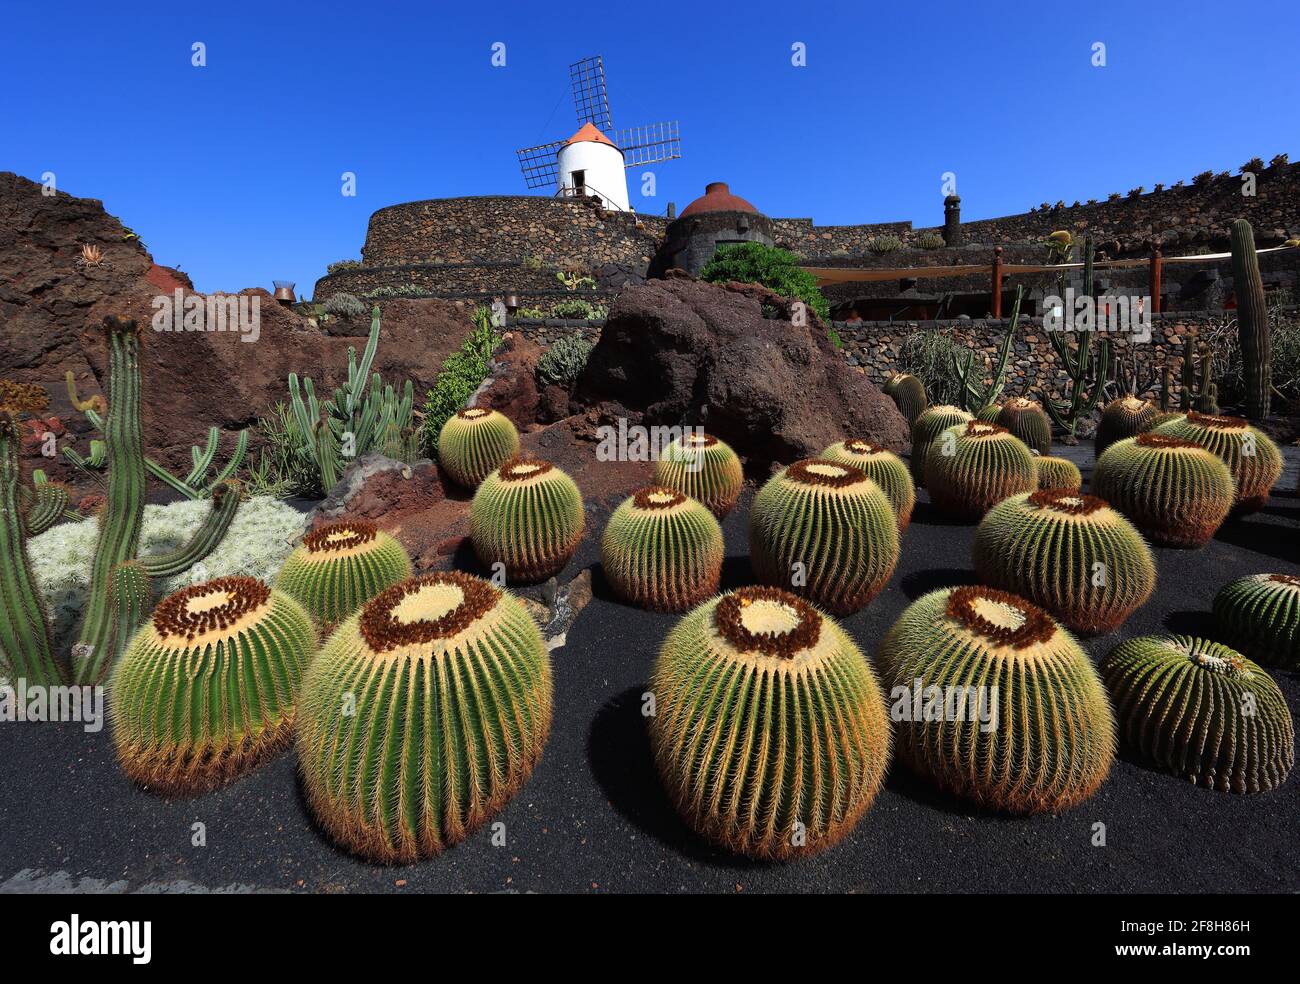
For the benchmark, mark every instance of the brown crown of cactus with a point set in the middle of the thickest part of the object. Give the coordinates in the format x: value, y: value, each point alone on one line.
x: 825, y: 473
x: 1066, y: 501
x: 213, y: 606
x: 1150, y: 440
x: 779, y: 641
x: 521, y: 469
x: 1217, y: 420
x: 339, y: 536
x: 654, y: 497
x: 976, y: 608
x: 384, y: 623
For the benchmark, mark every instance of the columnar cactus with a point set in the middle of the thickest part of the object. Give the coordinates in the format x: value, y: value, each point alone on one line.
x: 422, y: 716
x: 1252, y: 322
x: 225, y: 503
x: 1057, y: 473
x: 972, y: 467
x: 1174, y: 491
x: 1201, y: 711
x: 1260, y: 616
x: 340, y: 566
x: 475, y: 442
x: 884, y: 468
x: 1068, y: 553
x: 769, y: 728
x: 1253, y: 459
x: 995, y: 702
x: 826, y: 531
x: 704, y: 468
x: 527, y: 515
x: 1125, y: 417
x: 207, y: 689
x: 662, y: 550
x: 1025, y: 419
x: 908, y: 394
x: 927, y: 428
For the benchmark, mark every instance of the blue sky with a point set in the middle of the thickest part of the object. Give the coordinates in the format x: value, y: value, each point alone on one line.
x: 232, y: 171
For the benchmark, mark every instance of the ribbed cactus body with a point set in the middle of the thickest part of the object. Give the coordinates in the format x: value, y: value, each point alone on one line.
x: 475, y: 442
x: 1202, y: 711
x: 1260, y: 616
x: 1068, y: 553
x: 1125, y: 417
x: 1057, y: 473
x: 1174, y: 491
x: 340, y: 566
x: 972, y: 467
x: 927, y: 428
x: 1253, y: 459
x: 908, y: 394
x: 769, y: 728
x: 702, y: 467
x: 527, y: 515
x: 826, y: 531
x: 662, y: 550
x: 1253, y: 327
x: 422, y: 716
x: 207, y: 688
x: 884, y: 468
x: 993, y: 701
x: 989, y: 414
x: 1026, y: 420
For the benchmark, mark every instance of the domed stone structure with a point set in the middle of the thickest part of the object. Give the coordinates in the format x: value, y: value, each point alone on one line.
x: 714, y: 219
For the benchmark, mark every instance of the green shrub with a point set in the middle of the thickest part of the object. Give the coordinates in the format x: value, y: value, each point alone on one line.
x: 345, y: 306
x: 927, y: 355
x: 929, y: 240
x: 577, y: 309
x: 341, y: 265
x: 461, y: 374
x: 884, y: 244
x: 776, y: 269
x: 563, y: 362
x: 531, y: 313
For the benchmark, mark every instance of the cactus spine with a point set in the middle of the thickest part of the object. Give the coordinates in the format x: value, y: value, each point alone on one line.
x: 1026, y: 420
x: 1057, y: 473
x: 768, y: 717
x: 48, y: 502
x: 1046, y: 739
x: 1253, y: 459
x: 662, y: 550
x: 908, y: 394
x: 702, y: 467
x: 884, y: 468
x: 927, y: 429
x: 527, y: 515
x: 1125, y: 417
x: 475, y: 442
x: 826, y: 531
x: 989, y: 415
x: 339, y: 567
x: 1068, y: 553
x: 422, y: 716
x: 1260, y: 616
x: 130, y: 592
x: 1252, y: 322
x: 1202, y: 711
x: 974, y: 466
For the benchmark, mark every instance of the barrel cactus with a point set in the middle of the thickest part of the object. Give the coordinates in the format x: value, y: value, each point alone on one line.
x: 704, y: 468
x: 527, y: 515
x: 207, y: 688
x: 1164, y: 417
x: 826, y: 531
x: 908, y: 394
x: 927, y: 428
x: 1025, y: 419
x: 422, y: 716
x: 972, y: 467
x: 662, y: 550
x: 475, y: 442
x: 989, y: 415
x: 1174, y: 491
x: 1202, y: 711
x: 340, y: 566
x: 1260, y: 615
x: 1068, y: 553
x: 884, y: 468
x: 995, y: 702
x: 1057, y: 473
x: 1125, y: 417
x: 769, y: 728
x: 1253, y: 459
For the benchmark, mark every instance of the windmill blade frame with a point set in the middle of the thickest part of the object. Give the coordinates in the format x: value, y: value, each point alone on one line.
x: 650, y: 143
x: 590, y: 98
x: 539, y: 165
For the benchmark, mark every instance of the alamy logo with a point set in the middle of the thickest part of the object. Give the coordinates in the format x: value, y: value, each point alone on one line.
x: 1109, y: 312
x: 637, y: 443
x: 954, y: 703
x: 216, y: 312
x: 20, y: 701
x: 102, y: 938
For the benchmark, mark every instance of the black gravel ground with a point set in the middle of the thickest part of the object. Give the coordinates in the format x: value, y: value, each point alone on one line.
x: 593, y: 816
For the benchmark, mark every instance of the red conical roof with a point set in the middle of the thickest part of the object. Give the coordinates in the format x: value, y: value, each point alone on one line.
x: 588, y: 132
x: 717, y: 197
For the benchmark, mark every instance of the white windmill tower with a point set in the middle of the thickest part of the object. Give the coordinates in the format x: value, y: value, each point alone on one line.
x: 592, y: 162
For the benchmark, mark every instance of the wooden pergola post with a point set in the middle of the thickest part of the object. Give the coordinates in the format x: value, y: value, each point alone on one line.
x: 997, y: 282
x: 1157, y: 262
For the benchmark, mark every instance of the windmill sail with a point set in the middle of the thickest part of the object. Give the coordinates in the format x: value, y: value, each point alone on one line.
x: 589, y: 96
x: 539, y: 165
x: 648, y: 144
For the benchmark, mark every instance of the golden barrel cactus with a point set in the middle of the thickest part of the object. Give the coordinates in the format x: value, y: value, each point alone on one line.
x: 884, y: 468
x: 706, y: 469
x: 1253, y: 459
x: 972, y: 467
x: 340, y: 566
x: 527, y: 516
x: 475, y: 442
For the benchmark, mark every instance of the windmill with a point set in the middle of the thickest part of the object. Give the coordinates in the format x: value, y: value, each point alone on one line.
x: 591, y: 163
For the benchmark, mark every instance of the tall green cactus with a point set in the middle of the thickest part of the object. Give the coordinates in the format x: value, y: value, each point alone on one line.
x: 1252, y: 321
x: 1088, y: 371
x: 975, y: 393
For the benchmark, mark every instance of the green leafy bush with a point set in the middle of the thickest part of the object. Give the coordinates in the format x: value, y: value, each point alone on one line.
x: 345, y: 306
x: 577, y: 309
x: 461, y: 374
x: 776, y: 269
x: 563, y: 362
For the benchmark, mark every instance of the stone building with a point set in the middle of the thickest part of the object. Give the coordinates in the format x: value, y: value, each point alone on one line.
x: 714, y: 219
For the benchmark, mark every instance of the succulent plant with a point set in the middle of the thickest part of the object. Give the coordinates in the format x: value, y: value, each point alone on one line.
x: 1068, y: 553
x: 526, y: 515
x: 704, y: 468
x: 1163, y: 417
x: 1253, y: 459
x: 1202, y: 711
x: 1046, y: 738
x: 1125, y: 417
x: 927, y: 428
x: 474, y: 443
x: 972, y: 467
x: 662, y: 550
x: 989, y: 415
x: 826, y: 531
x: 769, y: 729
x: 340, y: 566
x: 422, y: 716
x: 1260, y: 616
x: 1057, y: 473
x: 207, y: 688
x: 908, y: 394
x: 884, y: 468
x: 1025, y: 419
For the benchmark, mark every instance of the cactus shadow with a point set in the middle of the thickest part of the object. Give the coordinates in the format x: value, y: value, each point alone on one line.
x: 1273, y: 540
x: 1192, y: 623
x: 918, y: 789
x: 918, y: 583
x: 737, y: 572
x: 618, y: 751
x: 925, y: 513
